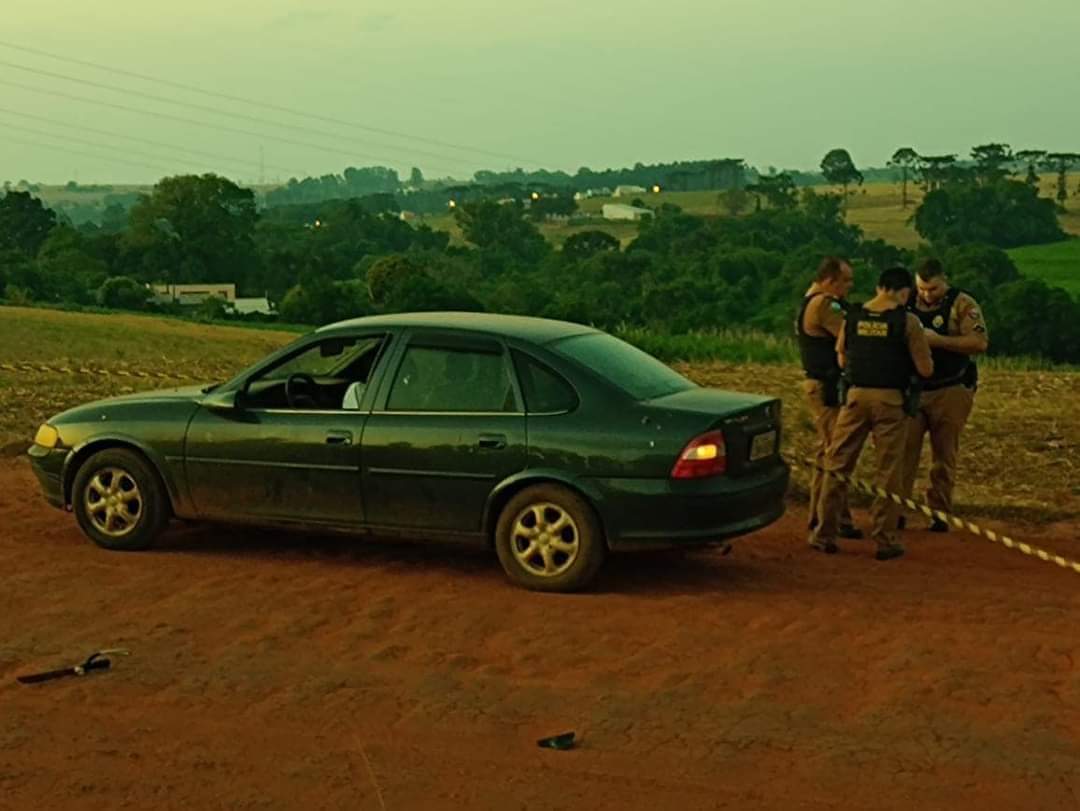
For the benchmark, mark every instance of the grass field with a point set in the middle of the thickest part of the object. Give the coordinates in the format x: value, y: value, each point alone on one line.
x: 1056, y: 264
x: 1021, y: 454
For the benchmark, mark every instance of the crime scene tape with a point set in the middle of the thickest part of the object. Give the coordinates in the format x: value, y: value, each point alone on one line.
x: 952, y: 520
x: 139, y: 374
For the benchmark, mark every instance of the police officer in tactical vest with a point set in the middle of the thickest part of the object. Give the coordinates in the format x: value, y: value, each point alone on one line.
x: 956, y: 332
x: 882, y: 349
x: 817, y: 325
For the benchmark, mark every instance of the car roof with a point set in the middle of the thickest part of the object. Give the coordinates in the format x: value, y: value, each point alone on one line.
x: 535, y: 330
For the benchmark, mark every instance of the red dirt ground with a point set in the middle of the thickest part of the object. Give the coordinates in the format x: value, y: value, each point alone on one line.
x: 276, y: 671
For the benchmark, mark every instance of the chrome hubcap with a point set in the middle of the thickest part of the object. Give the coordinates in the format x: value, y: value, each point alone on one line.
x: 545, y: 539
x: 113, y: 502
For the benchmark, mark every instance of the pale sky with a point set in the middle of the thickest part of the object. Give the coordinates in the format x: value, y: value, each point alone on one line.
x: 558, y: 84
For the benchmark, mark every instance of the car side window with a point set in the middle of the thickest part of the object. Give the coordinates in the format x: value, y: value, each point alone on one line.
x: 451, y: 379
x: 545, y: 390
x: 339, y: 368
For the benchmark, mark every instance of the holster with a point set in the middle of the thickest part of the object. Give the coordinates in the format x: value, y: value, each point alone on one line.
x: 842, y: 386
x: 913, y: 396
x: 831, y: 395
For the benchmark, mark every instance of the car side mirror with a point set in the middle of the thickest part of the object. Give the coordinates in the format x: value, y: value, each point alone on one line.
x: 221, y: 401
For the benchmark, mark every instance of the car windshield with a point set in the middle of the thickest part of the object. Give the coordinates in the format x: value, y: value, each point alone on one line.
x: 637, y: 373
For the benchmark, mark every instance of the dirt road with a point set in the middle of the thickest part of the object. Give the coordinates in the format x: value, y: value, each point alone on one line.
x: 272, y: 671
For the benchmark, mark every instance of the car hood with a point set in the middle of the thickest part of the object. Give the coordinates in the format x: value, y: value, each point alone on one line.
x: 700, y: 400
x: 182, y: 394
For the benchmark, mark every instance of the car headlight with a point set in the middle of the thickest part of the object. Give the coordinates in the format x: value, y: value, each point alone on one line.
x: 47, y: 436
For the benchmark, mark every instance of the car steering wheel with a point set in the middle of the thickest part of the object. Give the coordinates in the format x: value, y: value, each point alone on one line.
x: 300, y: 391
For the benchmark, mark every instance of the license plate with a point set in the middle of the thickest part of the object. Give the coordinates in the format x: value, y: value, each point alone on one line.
x: 763, y: 445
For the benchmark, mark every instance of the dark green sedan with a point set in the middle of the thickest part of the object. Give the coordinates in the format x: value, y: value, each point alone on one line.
x: 553, y: 442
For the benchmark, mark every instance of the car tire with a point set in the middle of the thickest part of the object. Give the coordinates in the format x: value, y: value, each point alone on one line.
x: 548, y: 538
x: 119, y: 500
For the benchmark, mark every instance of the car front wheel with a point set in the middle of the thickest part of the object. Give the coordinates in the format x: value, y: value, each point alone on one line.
x: 548, y: 538
x: 119, y: 500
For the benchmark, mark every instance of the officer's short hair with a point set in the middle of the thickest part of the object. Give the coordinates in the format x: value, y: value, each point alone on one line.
x: 831, y: 267
x: 895, y: 278
x: 930, y: 269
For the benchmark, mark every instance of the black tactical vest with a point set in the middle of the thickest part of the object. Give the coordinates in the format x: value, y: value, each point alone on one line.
x: 818, y: 352
x: 876, y: 348
x: 950, y: 368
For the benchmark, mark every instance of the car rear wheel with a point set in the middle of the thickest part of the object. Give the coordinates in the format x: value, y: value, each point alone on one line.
x: 548, y: 538
x: 119, y: 500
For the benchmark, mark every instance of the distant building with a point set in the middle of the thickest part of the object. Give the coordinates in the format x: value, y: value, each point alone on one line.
x: 247, y: 306
x: 622, y: 191
x: 191, y: 293
x: 616, y: 211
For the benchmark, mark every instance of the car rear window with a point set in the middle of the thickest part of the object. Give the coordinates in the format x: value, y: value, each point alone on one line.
x: 637, y: 373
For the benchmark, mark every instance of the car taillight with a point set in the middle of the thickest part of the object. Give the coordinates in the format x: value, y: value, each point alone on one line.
x: 703, y: 456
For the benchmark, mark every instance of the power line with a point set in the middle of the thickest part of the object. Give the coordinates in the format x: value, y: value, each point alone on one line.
x: 217, y: 111
x: 208, y: 125
x: 94, y: 144
x: 147, y: 141
x: 267, y: 106
x: 70, y: 151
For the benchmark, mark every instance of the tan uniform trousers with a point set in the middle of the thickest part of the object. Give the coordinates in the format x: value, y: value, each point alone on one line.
x: 943, y: 413
x: 824, y: 421
x: 877, y: 411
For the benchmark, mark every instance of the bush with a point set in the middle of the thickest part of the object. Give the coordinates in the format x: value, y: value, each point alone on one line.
x: 123, y: 293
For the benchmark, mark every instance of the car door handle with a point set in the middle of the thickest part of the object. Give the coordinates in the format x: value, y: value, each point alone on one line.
x: 339, y: 437
x: 494, y: 442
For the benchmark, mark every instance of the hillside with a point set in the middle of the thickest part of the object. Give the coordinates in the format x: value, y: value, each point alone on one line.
x: 1057, y: 264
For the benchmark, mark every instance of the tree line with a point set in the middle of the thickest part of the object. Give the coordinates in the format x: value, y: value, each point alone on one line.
x: 326, y: 260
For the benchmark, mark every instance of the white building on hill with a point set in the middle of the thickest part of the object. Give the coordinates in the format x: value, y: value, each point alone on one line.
x: 617, y: 211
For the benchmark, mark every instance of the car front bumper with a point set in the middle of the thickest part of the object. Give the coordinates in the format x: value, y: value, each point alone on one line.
x: 651, y: 513
x: 48, y: 466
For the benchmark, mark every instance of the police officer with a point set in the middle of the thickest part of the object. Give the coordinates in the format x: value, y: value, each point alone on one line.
x: 880, y: 348
x: 956, y: 332
x: 817, y: 325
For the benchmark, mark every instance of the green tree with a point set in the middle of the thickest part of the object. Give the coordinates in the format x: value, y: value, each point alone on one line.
x: 991, y: 162
x: 1031, y: 157
x: 25, y: 222
x: 839, y: 169
x: 734, y: 201
x: 584, y: 244
x: 1006, y: 214
x: 71, y: 272
x: 934, y: 170
x: 1062, y: 162
x: 416, y: 178
x: 387, y: 273
x: 778, y: 190
x: 905, y: 159
x: 491, y: 225
x: 123, y: 293
x: 195, y: 229
x: 556, y: 205
x: 211, y: 308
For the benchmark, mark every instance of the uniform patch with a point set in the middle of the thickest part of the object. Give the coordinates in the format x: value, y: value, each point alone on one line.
x: 939, y: 321
x: 872, y: 329
x: 836, y: 306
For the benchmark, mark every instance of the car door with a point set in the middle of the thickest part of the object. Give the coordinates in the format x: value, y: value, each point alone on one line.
x: 267, y: 461
x: 447, y: 427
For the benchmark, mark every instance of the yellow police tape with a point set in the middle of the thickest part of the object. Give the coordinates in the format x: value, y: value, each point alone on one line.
x: 102, y: 372
x: 959, y: 523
